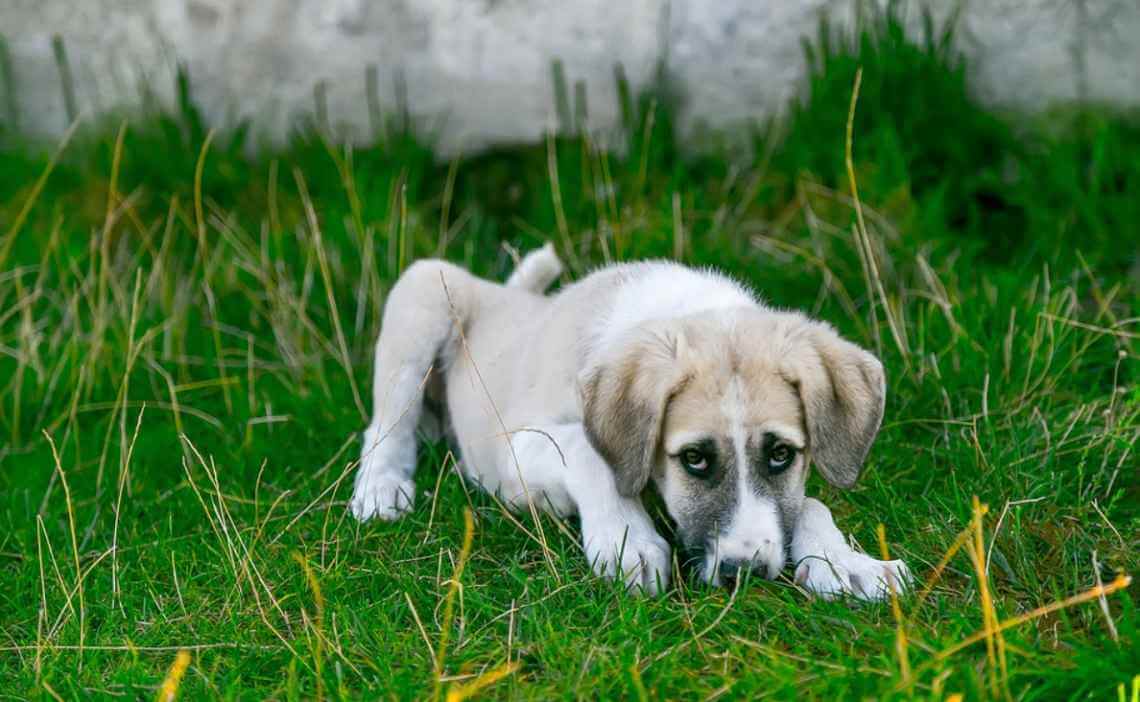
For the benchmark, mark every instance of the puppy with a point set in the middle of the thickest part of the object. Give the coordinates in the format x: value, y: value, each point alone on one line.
x: 639, y: 373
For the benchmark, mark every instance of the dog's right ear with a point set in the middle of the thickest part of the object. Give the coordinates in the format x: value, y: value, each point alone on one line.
x: 624, y: 396
x: 843, y: 390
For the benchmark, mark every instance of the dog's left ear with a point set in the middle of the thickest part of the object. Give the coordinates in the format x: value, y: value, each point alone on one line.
x: 843, y: 390
x: 624, y: 396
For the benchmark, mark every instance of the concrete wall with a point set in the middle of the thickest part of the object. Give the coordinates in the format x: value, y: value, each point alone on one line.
x: 480, y: 70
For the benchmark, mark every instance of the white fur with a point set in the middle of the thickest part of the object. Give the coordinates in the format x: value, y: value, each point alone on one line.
x: 829, y: 567
x: 537, y: 271
x: 667, y: 290
x: 754, y: 535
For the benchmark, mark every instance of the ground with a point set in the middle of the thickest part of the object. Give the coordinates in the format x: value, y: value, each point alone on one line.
x: 185, y: 347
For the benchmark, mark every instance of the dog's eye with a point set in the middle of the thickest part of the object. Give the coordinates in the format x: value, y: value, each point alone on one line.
x: 780, y: 458
x: 695, y: 461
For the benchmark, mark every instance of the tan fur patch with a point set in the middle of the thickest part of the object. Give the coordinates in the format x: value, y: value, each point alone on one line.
x: 796, y: 373
x: 711, y: 358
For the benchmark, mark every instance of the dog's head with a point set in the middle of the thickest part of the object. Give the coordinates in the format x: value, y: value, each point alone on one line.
x: 723, y: 412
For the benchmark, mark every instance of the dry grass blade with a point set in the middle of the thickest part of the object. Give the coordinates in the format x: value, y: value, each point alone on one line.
x: 74, y: 545
x: 318, y: 621
x: 199, y: 216
x: 678, y: 228
x: 1103, y: 601
x: 169, y: 690
x: 33, y: 197
x: 775, y: 652
x: 863, y: 240
x: 445, y: 207
x: 647, y: 132
x: 454, y: 584
x: 42, y: 614
x: 995, y: 642
x: 1135, y: 690
x: 402, y: 262
x: 203, y: 260
x: 959, y: 541
x: 900, y: 623
x: 697, y: 636
x: 420, y: 626
x: 458, y: 693
x: 238, y: 553
x: 1121, y: 582
x: 110, y: 217
x: 326, y: 276
x: 556, y: 196
x: 124, y: 476
x: 638, y: 684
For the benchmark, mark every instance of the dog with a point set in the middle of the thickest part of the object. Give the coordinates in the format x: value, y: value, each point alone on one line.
x: 638, y: 374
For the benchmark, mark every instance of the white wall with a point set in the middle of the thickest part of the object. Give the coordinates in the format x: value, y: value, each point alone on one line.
x: 480, y: 70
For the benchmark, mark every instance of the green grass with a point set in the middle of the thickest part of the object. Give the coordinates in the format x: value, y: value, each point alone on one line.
x: 177, y: 341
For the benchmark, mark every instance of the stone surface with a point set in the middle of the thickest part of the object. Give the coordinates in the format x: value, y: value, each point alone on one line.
x: 479, y: 72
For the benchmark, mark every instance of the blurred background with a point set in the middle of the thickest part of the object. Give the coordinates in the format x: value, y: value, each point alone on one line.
x: 484, y: 72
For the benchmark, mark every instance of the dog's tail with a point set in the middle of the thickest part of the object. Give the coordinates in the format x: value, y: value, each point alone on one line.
x: 537, y: 271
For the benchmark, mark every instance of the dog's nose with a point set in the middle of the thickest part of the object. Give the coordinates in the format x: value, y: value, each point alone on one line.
x: 731, y: 570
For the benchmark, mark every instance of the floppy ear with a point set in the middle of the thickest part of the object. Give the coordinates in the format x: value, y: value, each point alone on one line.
x: 843, y: 390
x: 624, y: 396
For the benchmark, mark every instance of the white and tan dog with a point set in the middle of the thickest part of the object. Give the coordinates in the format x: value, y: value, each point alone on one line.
x: 637, y: 373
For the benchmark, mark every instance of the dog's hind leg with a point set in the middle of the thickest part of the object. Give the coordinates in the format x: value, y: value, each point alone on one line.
x: 417, y: 332
x: 537, y: 271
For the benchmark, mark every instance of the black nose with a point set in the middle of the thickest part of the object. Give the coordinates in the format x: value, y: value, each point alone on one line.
x: 731, y: 570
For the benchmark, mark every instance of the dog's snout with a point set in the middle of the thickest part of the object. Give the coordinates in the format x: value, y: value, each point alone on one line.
x: 733, y: 569
x: 727, y: 563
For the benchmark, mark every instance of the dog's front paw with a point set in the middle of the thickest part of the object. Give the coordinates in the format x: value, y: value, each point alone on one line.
x: 384, y: 495
x: 855, y: 574
x: 638, y: 554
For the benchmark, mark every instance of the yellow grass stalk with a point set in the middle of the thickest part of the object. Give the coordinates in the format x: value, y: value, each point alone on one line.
x: 449, y: 599
x: 326, y: 276
x: 318, y: 621
x: 863, y: 240
x: 556, y: 196
x: 74, y: 545
x: 1135, y: 690
x: 199, y: 216
x: 1120, y: 583
x: 900, y: 623
x: 169, y: 690
x: 638, y: 684
x: 29, y: 203
x: 995, y: 642
x: 458, y: 693
x: 959, y: 541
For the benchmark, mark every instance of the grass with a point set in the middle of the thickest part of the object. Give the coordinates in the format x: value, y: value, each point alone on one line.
x: 185, y: 337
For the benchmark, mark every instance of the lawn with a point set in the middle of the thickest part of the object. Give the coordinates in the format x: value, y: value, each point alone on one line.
x: 185, y: 350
